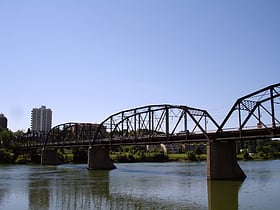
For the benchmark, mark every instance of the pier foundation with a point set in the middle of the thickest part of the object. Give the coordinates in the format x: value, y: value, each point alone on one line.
x: 222, y: 163
x: 99, y: 159
x: 49, y: 157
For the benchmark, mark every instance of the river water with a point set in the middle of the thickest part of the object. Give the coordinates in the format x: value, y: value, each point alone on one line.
x: 172, y: 185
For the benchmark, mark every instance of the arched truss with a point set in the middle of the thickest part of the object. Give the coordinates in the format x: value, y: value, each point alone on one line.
x: 69, y: 134
x: 155, y: 123
x: 260, y: 109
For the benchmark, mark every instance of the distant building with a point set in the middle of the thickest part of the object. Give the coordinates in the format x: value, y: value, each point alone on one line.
x: 167, y: 148
x: 3, y: 122
x: 41, y: 119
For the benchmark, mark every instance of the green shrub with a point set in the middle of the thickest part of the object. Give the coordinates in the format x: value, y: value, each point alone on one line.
x: 22, y: 159
x: 202, y: 157
x: 177, y: 157
x: 80, y: 155
x: 121, y: 157
x: 140, y: 157
x: 191, y: 156
x: 156, y: 157
x: 6, y: 156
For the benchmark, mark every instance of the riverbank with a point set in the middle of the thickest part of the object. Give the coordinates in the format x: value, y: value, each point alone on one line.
x: 190, y: 156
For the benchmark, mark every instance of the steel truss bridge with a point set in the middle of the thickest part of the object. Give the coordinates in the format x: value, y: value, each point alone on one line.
x: 254, y: 116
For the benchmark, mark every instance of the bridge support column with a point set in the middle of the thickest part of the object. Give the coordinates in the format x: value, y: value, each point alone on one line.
x: 99, y: 159
x: 49, y: 157
x: 222, y: 163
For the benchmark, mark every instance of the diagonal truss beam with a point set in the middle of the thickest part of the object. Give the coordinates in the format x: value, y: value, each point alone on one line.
x: 253, y: 102
x: 155, y: 121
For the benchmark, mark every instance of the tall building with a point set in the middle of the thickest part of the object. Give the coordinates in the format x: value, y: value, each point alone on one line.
x: 41, y: 119
x: 3, y: 122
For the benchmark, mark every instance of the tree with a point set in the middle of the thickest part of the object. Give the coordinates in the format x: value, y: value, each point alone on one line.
x: 6, y: 138
x: 197, y: 150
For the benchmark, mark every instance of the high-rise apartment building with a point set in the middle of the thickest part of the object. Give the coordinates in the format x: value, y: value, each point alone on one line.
x: 3, y: 122
x: 41, y: 119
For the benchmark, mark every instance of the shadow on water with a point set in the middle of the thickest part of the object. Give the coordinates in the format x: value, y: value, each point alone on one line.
x: 223, y: 194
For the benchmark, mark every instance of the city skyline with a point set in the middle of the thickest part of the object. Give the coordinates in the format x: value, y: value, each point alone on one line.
x: 88, y: 60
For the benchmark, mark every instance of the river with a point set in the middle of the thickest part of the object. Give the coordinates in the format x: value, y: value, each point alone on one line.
x: 172, y: 185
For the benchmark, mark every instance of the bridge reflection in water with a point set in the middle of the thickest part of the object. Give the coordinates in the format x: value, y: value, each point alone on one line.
x: 75, y: 188
x: 223, y: 194
x: 172, y: 185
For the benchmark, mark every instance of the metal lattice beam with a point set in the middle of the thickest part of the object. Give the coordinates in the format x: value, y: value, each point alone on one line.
x: 259, y: 107
x: 154, y: 122
x: 68, y: 134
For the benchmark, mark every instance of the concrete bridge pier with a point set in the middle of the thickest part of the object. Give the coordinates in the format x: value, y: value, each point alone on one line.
x: 49, y: 157
x: 222, y: 163
x: 99, y: 159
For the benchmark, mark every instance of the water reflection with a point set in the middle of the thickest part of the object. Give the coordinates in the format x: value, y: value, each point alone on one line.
x: 39, y: 194
x: 223, y: 195
x: 130, y: 187
x: 65, y: 188
x: 137, y: 186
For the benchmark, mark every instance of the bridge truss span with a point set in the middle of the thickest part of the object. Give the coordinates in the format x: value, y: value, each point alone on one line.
x: 71, y: 134
x: 155, y: 124
x: 258, y: 112
x: 33, y: 138
x: 254, y: 116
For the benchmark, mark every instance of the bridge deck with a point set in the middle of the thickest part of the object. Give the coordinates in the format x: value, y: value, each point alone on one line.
x: 232, y: 135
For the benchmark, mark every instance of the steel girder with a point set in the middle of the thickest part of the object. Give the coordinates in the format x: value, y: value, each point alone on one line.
x: 260, y: 109
x: 154, y: 123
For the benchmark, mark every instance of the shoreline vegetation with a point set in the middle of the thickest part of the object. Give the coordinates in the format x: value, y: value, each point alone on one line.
x: 79, y: 155
x: 12, y: 153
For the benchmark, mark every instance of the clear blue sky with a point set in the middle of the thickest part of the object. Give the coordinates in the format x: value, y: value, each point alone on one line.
x: 89, y: 59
